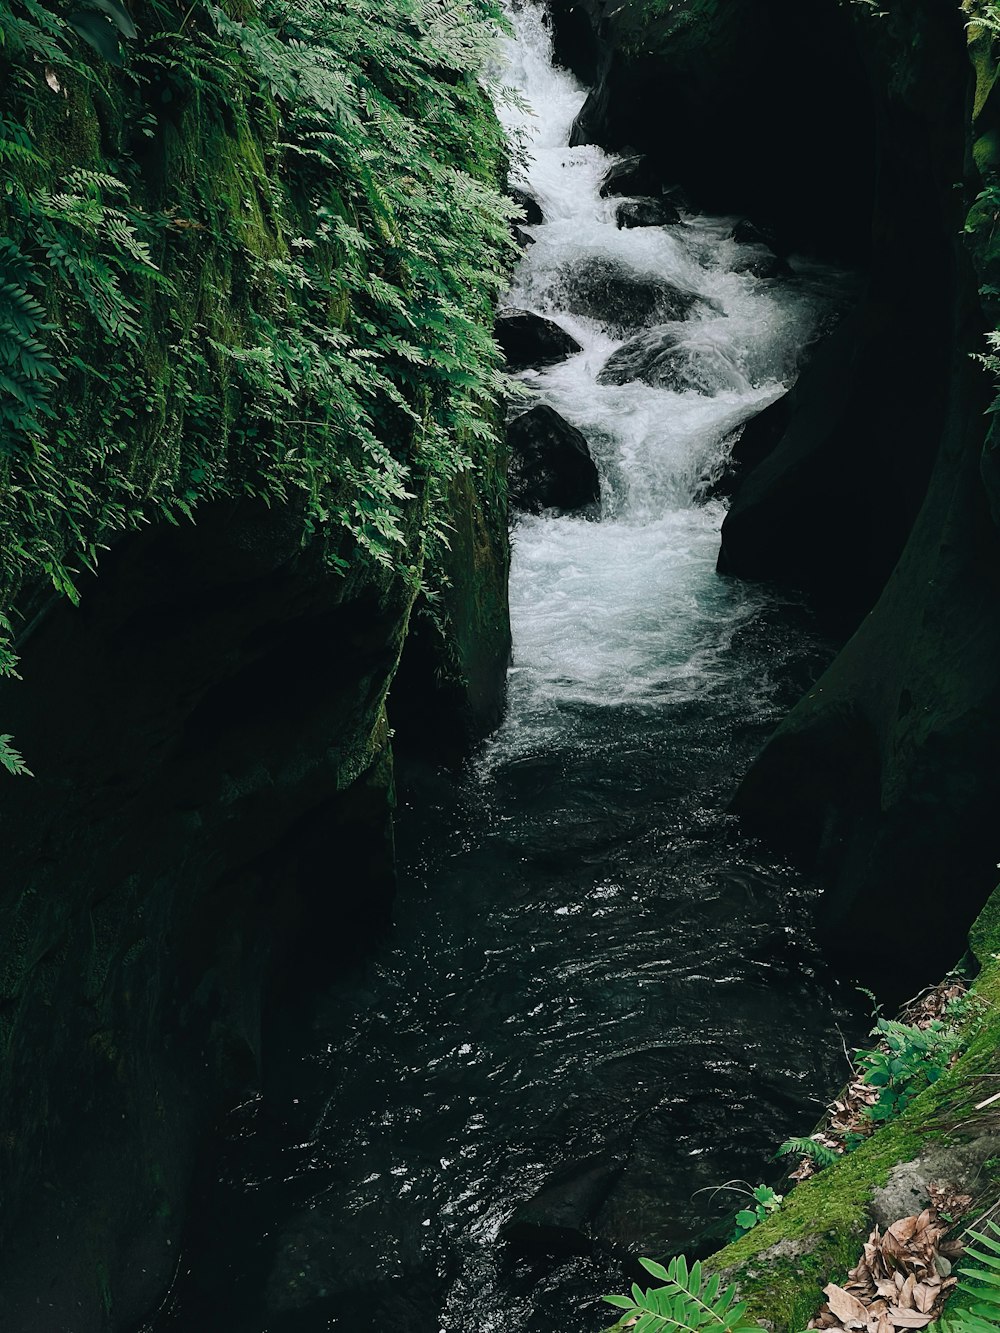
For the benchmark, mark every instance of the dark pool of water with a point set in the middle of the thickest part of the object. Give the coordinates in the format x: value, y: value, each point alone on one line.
x: 591, y: 971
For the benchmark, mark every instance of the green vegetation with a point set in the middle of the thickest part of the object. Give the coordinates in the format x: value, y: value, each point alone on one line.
x: 817, y: 1153
x: 689, y: 1300
x: 250, y: 249
x: 782, y: 1265
x: 979, y: 1286
x: 765, y: 1202
x: 914, y: 1059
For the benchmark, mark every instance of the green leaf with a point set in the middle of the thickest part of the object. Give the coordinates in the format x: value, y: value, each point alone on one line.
x: 97, y: 32
x: 655, y: 1269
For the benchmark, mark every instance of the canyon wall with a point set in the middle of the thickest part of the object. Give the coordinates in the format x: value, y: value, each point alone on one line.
x: 871, y: 486
x: 248, y: 451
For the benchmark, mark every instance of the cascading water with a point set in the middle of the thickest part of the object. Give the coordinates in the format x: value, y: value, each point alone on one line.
x: 629, y: 609
x: 599, y: 1002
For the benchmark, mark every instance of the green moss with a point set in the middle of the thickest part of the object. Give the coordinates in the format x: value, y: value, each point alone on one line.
x: 823, y: 1223
x: 313, y: 323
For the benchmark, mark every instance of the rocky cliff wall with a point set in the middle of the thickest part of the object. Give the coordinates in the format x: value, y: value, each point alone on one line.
x: 248, y: 445
x: 874, y: 138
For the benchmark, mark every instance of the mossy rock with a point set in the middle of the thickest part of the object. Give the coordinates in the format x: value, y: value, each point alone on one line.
x: 816, y: 1237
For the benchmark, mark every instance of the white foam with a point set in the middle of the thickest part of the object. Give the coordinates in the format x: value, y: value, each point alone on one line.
x: 629, y: 609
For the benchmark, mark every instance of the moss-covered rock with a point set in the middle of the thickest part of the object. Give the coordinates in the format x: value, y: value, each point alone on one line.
x: 267, y: 279
x: 782, y: 1265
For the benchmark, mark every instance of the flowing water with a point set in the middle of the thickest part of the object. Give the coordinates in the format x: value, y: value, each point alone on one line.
x: 594, y: 978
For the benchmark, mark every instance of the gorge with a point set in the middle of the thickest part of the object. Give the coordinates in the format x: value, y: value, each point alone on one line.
x: 634, y: 894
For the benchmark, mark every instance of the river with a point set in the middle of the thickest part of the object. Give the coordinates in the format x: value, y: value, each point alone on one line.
x: 592, y: 975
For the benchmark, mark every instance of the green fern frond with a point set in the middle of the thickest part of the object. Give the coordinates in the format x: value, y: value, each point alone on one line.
x: 12, y: 760
x: 686, y: 1303
x: 805, y: 1147
x: 979, y: 1283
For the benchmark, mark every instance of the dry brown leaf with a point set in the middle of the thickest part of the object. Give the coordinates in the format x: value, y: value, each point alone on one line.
x: 925, y: 1297
x: 848, y: 1309
x: 908, y: 1318
x: 906, y: 1295
x: 903, y: 1230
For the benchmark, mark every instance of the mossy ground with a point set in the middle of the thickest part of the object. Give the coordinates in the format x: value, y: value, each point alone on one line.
x: 823, y: 1223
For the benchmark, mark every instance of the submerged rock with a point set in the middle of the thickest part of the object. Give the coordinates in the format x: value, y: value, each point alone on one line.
x: 761, y: 263
x: 558, y: 1219
x: 550, y: 463
x: 747, y: 232
x: 530, y: 206
x: 647, y: 212
x: 623, y: 300
x: 632, y: 175
x: 670, y: 358
x: 531, y: 340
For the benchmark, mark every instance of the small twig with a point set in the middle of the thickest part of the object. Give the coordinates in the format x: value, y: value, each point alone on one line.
x: 843, y: 1042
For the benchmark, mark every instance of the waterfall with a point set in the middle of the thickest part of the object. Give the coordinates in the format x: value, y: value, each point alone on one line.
x: 629, y: 608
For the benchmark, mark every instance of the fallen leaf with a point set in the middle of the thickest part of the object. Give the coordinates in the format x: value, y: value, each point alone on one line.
x: 908, y: 1318
x: 848, y: 1309
x: 925, y: 1297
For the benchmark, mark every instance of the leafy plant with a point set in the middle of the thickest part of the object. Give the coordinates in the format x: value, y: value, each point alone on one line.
x: 295, y: 305
x: 915, y: 1058
x: 765, y: 1202
x: 817, y: 1153
x: 980, y: 1282
x: 687, y: 1302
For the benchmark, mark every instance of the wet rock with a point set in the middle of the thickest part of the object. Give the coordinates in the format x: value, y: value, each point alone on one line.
x: 530, y: 206
x: 558, y: 1219
x: 623, y: 300
x: 524, y: 238
x: 530, y: 340
x: 647, y: 212
x: 551, y: 466
x: 747, y: 232
x: 755, y: 441
x: 634, y: 175
x: 668, y: 358
x: 762, y: 263
x: 576, y: 36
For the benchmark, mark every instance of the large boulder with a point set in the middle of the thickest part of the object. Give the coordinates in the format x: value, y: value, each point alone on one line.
x: 623, y: 300
x: 748, y: 232
x: 759, y: 262
x: 687, y: 86
x: 647, y: 212
x: 531, y: 340
x: 550, y: 463
x: 632, y: 175
x: 669, y: 358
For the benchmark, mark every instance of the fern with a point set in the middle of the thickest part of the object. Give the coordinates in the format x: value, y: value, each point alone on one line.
x: 307, y: 321
x: 981, y: 1284
x: 687, y: 1302
x: 803, y: 1147
x: 11, y: 759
